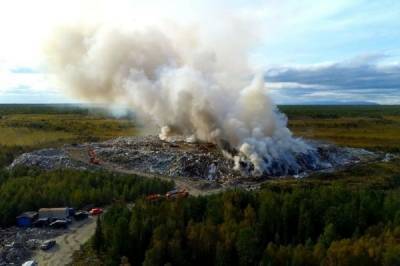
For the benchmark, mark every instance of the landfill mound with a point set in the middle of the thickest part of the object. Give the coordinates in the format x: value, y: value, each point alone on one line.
x: 47, y: 159
x: 168, y: 158
x: 179, y: 158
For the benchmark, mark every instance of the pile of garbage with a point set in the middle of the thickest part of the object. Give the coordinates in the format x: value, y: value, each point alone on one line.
x: 17, y: 244
x: 179, y: 158
x: 208, y: 161
x: 47, y: 159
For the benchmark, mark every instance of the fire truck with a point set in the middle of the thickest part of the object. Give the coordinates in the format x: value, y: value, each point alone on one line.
x: 92, y: 156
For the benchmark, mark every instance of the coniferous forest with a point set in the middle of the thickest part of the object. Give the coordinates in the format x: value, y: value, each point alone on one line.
x: 303, y: 226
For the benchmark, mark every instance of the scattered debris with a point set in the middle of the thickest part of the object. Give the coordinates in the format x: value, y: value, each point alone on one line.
x: 17, y: 244
x: 388, y: 157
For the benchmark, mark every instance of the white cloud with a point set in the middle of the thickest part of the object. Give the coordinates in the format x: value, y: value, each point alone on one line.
x: 35, y: 81
x: 362, y: 78
x: 294, y: 85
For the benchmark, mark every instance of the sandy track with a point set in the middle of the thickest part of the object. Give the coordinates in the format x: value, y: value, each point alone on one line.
x: 67, y: 244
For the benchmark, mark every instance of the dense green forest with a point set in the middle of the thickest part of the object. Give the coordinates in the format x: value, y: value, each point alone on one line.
x: 29, y: 189
x: 320, y: 226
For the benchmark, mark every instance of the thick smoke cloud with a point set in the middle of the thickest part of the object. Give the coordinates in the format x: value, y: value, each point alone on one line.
x: 185, y: 82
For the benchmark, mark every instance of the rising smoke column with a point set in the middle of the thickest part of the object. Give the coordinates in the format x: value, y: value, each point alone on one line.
x: 185, y: 83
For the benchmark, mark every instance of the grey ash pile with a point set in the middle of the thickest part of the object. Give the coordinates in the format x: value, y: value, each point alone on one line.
x: 17, y: 244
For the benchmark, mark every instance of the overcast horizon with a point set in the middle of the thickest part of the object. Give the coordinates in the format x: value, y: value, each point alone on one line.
x: 311, y: 52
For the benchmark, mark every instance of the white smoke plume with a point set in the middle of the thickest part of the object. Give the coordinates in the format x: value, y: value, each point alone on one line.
x: 185, y: 82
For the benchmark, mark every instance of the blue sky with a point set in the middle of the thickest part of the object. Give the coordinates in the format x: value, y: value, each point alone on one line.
x: 311, y: 51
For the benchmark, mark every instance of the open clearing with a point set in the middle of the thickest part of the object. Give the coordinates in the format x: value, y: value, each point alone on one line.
x: 67, y: 244
x: 36, y: 130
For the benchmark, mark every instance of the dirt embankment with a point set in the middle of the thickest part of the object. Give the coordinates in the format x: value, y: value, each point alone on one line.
x: 67, y: 244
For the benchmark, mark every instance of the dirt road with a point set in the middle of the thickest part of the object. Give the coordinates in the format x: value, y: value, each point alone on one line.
x: 67, y: 244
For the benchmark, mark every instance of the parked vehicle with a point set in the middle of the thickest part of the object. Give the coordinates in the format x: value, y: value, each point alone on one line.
x: 48, y: 244
x: 54, y: 213
x: 177, y: 194
x: 92, y: 156
x: 88, y: 207
x: 68, y: 220
x: 170, y: 193
x: 58, y: 224
x: 71, y: 211
x: 81, y: 215
x: 41, y: 222
x: 96, y: 211
x: 30, y: 263
x: 154, y: 197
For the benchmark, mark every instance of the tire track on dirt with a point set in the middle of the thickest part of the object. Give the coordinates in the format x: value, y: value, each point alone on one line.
x: 67, y: 244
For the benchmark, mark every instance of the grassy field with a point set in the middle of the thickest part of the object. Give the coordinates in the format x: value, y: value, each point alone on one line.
x: 371, y: 127
x: 28, y: 127
x: 37, y: 129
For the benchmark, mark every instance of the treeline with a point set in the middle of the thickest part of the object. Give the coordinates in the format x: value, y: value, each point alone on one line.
x: 319, y: 226
x: 7, y: 109
x: 342, y: 123
x: 8, y: 153
x: 29, y: 189
x: 56, y: 109
x: 337, y: 111
x: 87, y: 128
